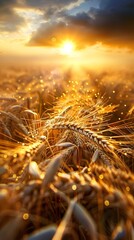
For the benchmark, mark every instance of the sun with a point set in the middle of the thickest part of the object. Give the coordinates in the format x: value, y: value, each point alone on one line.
x: 67, y: 48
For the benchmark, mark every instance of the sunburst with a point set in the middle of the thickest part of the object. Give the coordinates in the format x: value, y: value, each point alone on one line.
x: 67, y: 48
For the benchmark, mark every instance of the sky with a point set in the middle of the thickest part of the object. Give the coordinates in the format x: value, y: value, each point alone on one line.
x: 99, y: 29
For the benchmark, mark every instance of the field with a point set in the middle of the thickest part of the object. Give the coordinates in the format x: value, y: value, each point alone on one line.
x: 66, y: 153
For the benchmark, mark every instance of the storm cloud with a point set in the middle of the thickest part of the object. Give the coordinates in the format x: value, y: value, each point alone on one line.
x: 112, y: 24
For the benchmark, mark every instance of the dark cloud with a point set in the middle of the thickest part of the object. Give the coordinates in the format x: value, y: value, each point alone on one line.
x: 49, y: 3
x: 53, y: 34
x: 111, y: 24
x: 6, y: 3
x: 52, y: 8
x: 114, y: 4
x: 9, y: 19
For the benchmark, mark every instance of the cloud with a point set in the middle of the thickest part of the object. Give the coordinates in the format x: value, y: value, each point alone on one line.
x: 52, y: 8
x: 51, y: 3
x: 112, y: 24
x: 54, y: 34
x: 114, y: 4
x: 9, y: 19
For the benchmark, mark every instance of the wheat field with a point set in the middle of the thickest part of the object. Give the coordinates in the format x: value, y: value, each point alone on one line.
x: 66, y: 154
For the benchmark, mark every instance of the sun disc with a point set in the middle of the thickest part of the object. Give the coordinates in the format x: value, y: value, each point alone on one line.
x: 67, y: 48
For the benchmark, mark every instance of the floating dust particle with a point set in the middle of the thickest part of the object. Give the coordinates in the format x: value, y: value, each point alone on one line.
x: 15, y: 155
x: 3, y: 193
x: 128, y: 189
x: 74, y: 187
x: 106, y: 203
x: 25, y: 216
x: 28, y: 154
x: 101, y: 176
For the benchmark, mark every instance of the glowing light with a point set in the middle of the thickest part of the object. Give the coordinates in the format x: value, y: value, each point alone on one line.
x: 106, y: 203
x: 67, y: 48
x: 74, y: 187
x: 101, y: 176
x: 128, y: 189
x: 25, y: 216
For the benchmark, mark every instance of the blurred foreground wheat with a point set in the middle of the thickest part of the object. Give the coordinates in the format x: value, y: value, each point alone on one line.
x: 66, y: 168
